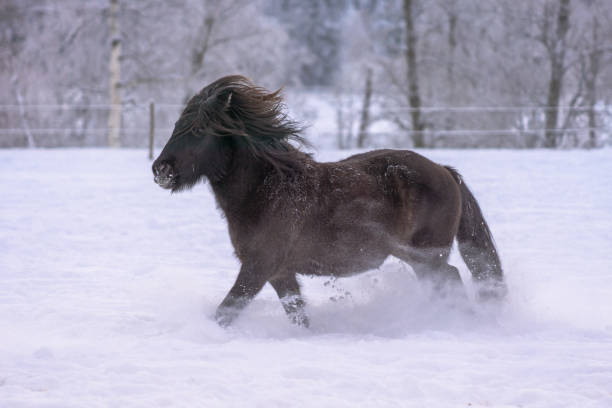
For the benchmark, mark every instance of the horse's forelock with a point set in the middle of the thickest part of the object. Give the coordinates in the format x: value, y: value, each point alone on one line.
x: 234, y: 102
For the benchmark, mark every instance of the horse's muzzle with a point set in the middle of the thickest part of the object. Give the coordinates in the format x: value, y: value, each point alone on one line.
x: 164, y: 175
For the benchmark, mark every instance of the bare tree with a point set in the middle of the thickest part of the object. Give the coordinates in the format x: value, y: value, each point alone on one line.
x: 414, y: 97
x: 114, y: 115
x: 452, y: 18
x: 556, y: 46
x: 596, y: 51
x: 12, y: 61
x: 357, y: 75
x: 365, y: 109
x: 22, y: 111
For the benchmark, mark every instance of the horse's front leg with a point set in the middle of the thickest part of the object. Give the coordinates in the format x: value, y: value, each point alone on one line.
x: 288, y: 290
x: 249, y: 282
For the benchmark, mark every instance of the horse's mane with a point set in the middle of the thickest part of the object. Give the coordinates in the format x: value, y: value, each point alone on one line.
x: 233, y: 106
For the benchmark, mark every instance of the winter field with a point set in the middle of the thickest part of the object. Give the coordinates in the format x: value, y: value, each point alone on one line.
x: 108, y: 285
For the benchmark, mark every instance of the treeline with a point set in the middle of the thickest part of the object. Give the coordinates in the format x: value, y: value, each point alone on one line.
x: 516, y: 73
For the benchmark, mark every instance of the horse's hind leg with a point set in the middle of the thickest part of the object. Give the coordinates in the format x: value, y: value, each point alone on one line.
x: 427, y: 242
x: 443, y: 276
x: 248, y: 284
x: 288, y: 290
x: 431, y: 265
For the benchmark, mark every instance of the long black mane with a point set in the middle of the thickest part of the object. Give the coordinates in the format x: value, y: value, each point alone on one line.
x: 233, y: 106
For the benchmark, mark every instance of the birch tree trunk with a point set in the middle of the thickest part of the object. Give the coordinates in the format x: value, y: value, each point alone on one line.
x: 365, y: 110
x: 114, y: 116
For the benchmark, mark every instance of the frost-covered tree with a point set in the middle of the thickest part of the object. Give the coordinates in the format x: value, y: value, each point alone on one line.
x: 59, y: 62
x: 71, y: 53
x: 314, y: 25
x: 409, y: 62
x: 353, y: 89
x: 114, y: 75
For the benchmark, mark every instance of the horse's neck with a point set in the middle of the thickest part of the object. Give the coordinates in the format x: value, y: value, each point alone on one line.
x: 245, y: 175
x: 251, y: 185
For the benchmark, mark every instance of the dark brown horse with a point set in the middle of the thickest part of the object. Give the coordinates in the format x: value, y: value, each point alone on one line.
x: 288, y: 214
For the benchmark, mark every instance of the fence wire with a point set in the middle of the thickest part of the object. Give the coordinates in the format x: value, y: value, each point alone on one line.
x: 87, y: 123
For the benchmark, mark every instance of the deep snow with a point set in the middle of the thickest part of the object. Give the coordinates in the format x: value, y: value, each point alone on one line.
x: 108, y: 285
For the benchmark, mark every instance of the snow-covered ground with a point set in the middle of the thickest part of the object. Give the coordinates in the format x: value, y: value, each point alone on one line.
x: 108, y: 284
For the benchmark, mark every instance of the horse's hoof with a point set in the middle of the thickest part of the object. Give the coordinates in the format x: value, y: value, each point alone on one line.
x: 224, y: 318
x: 492, y: 292
x: 300, y: 319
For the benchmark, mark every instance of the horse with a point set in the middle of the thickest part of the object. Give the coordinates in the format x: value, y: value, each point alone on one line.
x: 288, y: 214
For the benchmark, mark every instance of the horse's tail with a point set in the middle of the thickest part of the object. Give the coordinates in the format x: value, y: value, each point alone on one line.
x: 476, y: 244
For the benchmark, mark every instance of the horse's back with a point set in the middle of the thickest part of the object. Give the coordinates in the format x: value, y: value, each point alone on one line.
x: 406, y: 165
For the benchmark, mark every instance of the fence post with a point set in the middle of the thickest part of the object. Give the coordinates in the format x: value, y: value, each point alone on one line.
x: 151, y: 128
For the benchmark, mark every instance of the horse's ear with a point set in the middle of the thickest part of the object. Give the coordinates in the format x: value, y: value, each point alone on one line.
x: 228, y: 102
x: 220, y: 100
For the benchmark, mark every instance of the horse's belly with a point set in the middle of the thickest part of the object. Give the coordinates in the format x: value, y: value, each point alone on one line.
x: 341, y: 264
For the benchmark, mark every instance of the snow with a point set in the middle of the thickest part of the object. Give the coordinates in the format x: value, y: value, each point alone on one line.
x: 108, y: 285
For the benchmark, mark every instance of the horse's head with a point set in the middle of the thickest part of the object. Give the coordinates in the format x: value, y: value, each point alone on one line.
x: 198, y: 147
x: 229, y: 114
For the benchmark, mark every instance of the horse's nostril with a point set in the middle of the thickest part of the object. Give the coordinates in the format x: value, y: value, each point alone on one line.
x: 162, y: 169
x: 164, y: 174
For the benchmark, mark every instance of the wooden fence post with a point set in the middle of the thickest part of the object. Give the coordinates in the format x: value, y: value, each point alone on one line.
x: 151, y: 128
